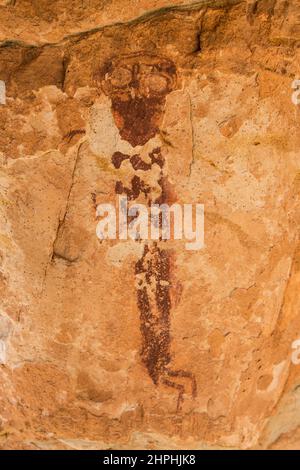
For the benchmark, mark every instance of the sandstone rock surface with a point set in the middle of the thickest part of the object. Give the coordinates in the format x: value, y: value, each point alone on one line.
x: 127, y: 345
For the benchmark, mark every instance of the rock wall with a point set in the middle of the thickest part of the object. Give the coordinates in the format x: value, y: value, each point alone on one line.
x: 128, y: 344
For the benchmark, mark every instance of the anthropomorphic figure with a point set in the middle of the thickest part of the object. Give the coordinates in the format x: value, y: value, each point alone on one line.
x: 137, y: 86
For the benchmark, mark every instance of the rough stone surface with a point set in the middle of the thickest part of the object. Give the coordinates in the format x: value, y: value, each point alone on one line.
x: 81, y: 365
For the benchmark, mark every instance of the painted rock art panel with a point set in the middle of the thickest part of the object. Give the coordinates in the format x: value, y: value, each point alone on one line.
x: 140, y: 342
x: 137, y: 86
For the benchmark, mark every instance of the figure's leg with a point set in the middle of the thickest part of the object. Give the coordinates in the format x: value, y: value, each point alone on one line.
x: 185, y: 374
x: 179, y: 387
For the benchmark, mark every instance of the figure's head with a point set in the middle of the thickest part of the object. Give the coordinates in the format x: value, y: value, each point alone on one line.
x: 137, y: 85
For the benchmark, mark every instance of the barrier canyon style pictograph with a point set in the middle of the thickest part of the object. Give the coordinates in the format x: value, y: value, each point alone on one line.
x: 138, y: 86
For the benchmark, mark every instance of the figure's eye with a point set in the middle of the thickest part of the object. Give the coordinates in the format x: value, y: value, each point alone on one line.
x: 155, y: 83
x: 120, y: 77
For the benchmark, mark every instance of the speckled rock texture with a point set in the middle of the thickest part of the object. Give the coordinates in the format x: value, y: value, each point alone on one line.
x: 127, y: 345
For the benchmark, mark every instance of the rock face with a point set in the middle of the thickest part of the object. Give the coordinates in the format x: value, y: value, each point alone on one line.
x: 133, y: 344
